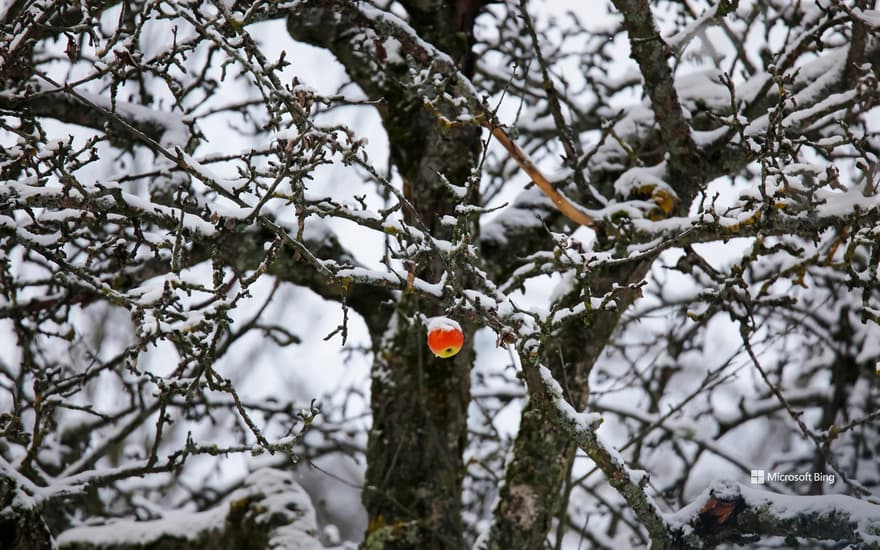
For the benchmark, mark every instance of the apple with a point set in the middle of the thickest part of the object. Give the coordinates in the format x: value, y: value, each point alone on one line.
x: 445, y: 337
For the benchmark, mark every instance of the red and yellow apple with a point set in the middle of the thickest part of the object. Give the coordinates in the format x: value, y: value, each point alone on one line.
x: 445, y: 337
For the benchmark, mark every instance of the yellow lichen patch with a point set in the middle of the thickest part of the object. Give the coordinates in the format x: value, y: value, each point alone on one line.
x: 835, y: 245
x: 645, y: 189
x: 237, y: 508
x: 345, y: 283
x: 664, y: 199
x: 376, y: 523
x: 800, y: 272
x: 661, y: 195
x: 655, y: 215
x: 751, y: 220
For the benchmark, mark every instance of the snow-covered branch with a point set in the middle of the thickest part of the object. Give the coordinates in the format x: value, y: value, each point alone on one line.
x: 270, y: 510
x: 674, y: 212
x: 731, y: 512
x: 582, y: 427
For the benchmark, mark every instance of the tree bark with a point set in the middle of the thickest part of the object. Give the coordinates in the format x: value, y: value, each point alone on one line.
x: 419, y: 403
x: 543, y: 453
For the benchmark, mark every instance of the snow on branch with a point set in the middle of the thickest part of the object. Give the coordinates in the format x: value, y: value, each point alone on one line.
x: 731, y: 512
x: 95, y: 111
x: 726, y: 511
x: 582, y: 428
x: 417, y: 70
x: 362, y: 36
x: 652, y: 53
x: 270, y: 510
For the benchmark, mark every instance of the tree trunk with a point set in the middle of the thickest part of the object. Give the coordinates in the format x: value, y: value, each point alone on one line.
x: 531, y: 495
x: 419, y: 402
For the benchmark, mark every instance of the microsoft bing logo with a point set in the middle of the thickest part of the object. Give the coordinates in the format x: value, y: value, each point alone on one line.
x: 760, y: 477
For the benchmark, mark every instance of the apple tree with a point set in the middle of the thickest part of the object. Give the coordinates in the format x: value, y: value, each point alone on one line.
x: 657, y: 225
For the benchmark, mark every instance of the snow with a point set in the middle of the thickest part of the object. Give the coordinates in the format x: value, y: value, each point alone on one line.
x: 368, y: 275
x: 175, y: 132
x: 569, y: 265
x: 26, y: 193
x: 565, y: 286
x: 47, y: 239
x: 402, y: 27
x: 869, y: 17
x: 211, y: 178
x: 181, y: 525
x: 704, y: 86
x: 526, y: 211
x: 272, y: 495
x: 862, y: 514
x: 583, y: 421
x: 433, y: 289
x: 642, y: 177
x: 819, y: 76
x: 442, y: 323
x: 151, y: 291
x: 680, y: 40
x: 393, y: 50
x: 480, y: 299
x: 832, y: 103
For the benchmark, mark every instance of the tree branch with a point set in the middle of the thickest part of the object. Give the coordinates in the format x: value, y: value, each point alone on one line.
x: 730, y: 512
x: 67, y: 107
x: 269, y: 509
x: 561, y: 202
x: 651, y: 52
x: 582, y: 429
x: 241, y: 248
